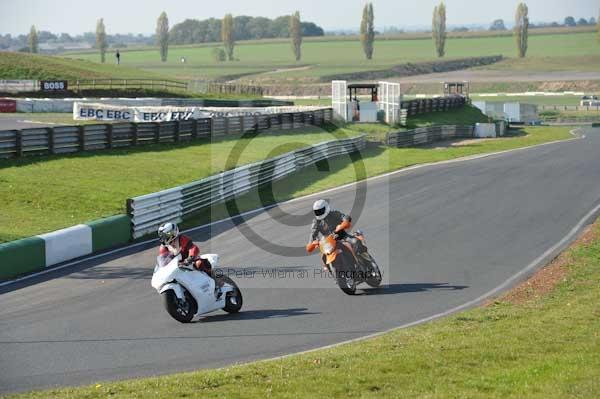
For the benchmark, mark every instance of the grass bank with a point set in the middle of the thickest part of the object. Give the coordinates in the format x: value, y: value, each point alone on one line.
x: 35, y: 66
x: 541, y: 342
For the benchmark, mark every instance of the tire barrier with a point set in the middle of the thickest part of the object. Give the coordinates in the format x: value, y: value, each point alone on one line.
x: 147, y: 212
x: 70, y: 139
x: 37, y: 253
x: 435, y: 104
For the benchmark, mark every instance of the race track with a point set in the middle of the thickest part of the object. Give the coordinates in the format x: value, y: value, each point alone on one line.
x: 15, y: 121
x: 446, y: 234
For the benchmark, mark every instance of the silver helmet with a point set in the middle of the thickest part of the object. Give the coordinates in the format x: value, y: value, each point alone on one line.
x: 168, y: 232
x: 321, y: 209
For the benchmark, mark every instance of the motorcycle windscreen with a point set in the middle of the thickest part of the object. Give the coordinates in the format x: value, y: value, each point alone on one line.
x: 163, y: 260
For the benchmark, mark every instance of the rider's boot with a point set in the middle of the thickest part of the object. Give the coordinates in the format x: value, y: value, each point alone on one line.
x: 218, y: 285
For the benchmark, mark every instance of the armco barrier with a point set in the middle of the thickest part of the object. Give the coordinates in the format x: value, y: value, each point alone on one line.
x: 147, y: 212
x: 427, y: 135
x: 67, y: 139
x: 22, y: 256
x: 36, y: 253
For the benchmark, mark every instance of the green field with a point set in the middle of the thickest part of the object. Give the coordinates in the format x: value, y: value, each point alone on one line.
x: 88, y: 186
x: 537, y: 344
x: 336, y: 56
x: 34, y: 66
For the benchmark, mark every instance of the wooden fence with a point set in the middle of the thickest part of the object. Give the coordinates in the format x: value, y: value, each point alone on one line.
x: 201, y: 86
x: 149, y: 84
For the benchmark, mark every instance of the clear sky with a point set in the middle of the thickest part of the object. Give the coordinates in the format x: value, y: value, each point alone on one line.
x: 139, y: 16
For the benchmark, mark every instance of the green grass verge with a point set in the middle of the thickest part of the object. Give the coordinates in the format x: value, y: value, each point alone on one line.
x: 545, y: 347
x: 40, y: 194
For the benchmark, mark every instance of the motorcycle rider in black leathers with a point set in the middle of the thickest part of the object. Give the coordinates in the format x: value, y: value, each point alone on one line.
x: 325, y: 223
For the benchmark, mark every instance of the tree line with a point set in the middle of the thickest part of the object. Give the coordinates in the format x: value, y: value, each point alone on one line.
x: 231, y: 28
x: 193, y: 31
x: 498, y: 24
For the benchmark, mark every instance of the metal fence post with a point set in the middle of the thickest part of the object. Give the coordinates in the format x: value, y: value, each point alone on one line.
x: 134, y: 134
x: 156, y: 133
x: 109, y: 135
x: 194, y: 129
x: 241, y: 118
x: 81, y: 134
x: 177, y: 131
x: 50, y: 132
x: 19, y: 143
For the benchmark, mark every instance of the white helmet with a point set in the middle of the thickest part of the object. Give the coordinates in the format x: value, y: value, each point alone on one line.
x: 168, y: 232
x: 321, y: 209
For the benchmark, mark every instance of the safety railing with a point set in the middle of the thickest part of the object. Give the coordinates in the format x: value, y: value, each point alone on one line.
x: 147, y: 212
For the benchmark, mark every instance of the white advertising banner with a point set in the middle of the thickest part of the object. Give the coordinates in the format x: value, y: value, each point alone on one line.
x: 103, y: 112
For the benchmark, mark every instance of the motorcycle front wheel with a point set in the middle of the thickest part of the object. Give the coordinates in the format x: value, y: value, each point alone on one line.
x: 375, y: 279
x: 182, y: 310
x: 345, y: 278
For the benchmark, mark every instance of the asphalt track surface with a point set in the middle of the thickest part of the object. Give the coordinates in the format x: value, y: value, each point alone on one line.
x: 445, y: 234
x: 22, y: 121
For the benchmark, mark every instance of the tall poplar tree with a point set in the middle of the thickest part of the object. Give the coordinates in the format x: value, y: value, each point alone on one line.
x: 101, y: 43
x: 367, y: 31
x: 438, y: 29
x: 227, y: 35
x: 162, y: 35
x: 296, y: 35
x: 522, y: 28
x: 33, y: 41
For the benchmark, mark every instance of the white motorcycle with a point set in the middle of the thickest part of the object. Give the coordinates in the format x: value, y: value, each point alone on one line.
x: 188, y: 294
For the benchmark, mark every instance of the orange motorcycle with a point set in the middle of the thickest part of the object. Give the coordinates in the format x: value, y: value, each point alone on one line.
x: 340, y: 259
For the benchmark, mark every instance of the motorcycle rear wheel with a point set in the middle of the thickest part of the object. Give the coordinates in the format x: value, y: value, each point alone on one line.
x: 233, y: 300
x: 181, y: 310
